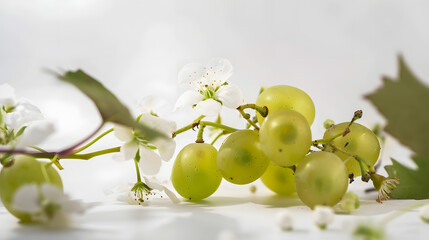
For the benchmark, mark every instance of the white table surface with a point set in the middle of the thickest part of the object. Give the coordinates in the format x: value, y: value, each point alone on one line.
x: 231, y: 213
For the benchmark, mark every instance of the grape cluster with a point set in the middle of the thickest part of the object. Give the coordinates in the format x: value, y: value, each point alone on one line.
x: 280, y: 154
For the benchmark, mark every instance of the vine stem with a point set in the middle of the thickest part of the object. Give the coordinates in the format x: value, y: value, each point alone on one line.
x: 86, y: 156
x: 61, y: 154
x: 136, y: 164
x: 93, y: 141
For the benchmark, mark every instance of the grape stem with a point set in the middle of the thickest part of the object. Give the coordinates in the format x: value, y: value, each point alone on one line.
x: 261, y: 110
x: 200, y: 138
x: 247, y: 117
x: 357, y: 115
x: 202, y: 124
x: 365, y: 167
x: 218, y: 136
x: 187, y: 127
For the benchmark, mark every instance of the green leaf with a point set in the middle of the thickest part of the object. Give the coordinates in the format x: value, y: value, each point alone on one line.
x: 413, y: 184
x: 404, y: 103
x: 110, y: 108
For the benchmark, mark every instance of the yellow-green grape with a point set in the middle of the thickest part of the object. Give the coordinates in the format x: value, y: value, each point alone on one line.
x: 195, y: 175
x: 285, y: 137
x: 241, y: 159
x: 279, y: 179
x: 360, y: 141
x: 321, y: 179
x: 286, y: 97
x: 25, y: 170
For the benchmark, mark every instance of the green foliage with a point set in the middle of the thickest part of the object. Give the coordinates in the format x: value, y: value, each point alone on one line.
x: 404, y: 103
x: 110, y: 108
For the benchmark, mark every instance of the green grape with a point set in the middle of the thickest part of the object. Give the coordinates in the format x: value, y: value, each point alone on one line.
x: 285, y: 137
x: 195, y: 175
x: 360, y: 141
x: 25, y: 170
x: 286, y: 97
x: 279, y: 179
x: 321, y: 179
x: 241, y: 159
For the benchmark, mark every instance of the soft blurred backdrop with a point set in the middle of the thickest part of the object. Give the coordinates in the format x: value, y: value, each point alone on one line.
x: 336, y: 51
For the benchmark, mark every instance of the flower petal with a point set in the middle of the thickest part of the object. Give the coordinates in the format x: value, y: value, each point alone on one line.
x: 53, y: 193
x: 35, y: 133
x: 230, y: 96
x: 190, y: 75
x: 155, y: 184
x: 188, y: 98
x: 150, y: 162
x: 123, y: 133
x: 150, y: 104
x: 26, y: 199
x: 74, y: 206
x: 166, y: 148
x: 218, y: 71
x: 163, y: 125
x: 7, y: 95
x: 208, y: 107
x: 171, y: 195
x: 129, y: 150
x: 23, y: 114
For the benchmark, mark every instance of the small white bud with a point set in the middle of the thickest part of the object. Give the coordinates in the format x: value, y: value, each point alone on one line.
x: 322, y: 216
x: 284, y: 220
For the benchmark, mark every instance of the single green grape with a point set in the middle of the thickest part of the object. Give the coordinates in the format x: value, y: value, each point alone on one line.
x: 285, y: 137
x: 321, y: 179
x: 279, y: 179
x: 241, y: 159
x: 286, y: 97
x: 25, y: 170
x: 195, y: 175
x: 360, y: 141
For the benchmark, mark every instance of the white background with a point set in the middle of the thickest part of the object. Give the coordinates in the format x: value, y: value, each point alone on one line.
x: 336, y: 51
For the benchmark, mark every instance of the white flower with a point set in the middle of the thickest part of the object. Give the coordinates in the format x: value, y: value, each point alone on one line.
x: 7, y: 96
x: 424, y: 213
x: 21, y: 122
x: 322, y: 216
x: 150, y: 160
x: 284, y: 220
x: 46, y: 203
x: 142, y: 192
x: 209, y: 89
x: 35, y: 133
x: 152, y: 104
